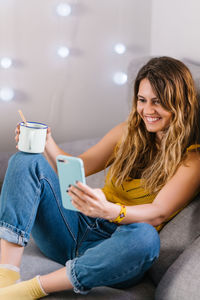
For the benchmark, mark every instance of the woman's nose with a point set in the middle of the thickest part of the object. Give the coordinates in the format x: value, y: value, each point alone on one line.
x: 149, y: 108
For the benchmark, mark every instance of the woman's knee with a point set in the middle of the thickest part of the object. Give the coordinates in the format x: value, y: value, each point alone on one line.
x: 145, y: 238
x: 150, y: 238
x: 20, y: 159
x: 22, y: 164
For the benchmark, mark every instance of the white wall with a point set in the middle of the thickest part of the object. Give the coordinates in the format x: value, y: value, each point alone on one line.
x: 176, y: 28
x: 75, y: 96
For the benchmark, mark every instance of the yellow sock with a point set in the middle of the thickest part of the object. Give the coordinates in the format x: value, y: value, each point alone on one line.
x: 8, y: 276
x: 25, y: 290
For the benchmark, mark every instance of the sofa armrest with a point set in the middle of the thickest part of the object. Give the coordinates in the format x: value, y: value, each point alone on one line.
x: 181, y: 281
x: 176, y: 236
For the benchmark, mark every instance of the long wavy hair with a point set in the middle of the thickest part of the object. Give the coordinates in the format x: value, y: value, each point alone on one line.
x: 138, y: 155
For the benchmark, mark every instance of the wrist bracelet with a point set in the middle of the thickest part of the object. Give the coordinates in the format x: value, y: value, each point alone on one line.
x: 121, y: 215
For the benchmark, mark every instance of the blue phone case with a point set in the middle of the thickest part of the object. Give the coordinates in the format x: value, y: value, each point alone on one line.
x: 70, y: 169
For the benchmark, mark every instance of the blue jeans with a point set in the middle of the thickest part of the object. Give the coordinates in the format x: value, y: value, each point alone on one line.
x: 98, y: 253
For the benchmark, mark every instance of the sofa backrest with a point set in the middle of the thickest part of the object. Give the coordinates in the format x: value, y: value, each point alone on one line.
x: 175, y: 237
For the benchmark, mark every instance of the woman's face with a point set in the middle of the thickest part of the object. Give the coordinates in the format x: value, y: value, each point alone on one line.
x: 155, y: 117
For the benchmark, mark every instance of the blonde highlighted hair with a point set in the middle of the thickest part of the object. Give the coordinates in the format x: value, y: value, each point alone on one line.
x: 138, y: 155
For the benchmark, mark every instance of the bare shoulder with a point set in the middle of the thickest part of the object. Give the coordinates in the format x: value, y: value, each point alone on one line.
x: 187, y: 176
x: 118, y: 131
x: 191, y: 166
x: 182, y: 187
x: 193, y: 160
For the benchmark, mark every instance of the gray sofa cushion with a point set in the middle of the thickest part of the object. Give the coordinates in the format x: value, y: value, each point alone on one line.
x: 195, y: 70
x: 181, y: 281
x: 175, y: 237
x: 77, y: 147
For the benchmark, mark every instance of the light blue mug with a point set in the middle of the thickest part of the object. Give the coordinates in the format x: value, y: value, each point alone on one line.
x: 32, y: 137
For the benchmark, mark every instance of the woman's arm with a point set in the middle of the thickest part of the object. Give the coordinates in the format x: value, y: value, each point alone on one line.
x: 176, y: 193
x: 52, y: 150
x: 95, y: 158
x: 179, y: 190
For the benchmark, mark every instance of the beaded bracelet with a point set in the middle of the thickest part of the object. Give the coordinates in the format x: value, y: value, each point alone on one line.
x: 121, y: 215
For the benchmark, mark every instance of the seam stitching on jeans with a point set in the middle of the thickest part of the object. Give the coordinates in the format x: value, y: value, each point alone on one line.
x: 59, y: 207
x: 82, y: 240
x: 32, y: 212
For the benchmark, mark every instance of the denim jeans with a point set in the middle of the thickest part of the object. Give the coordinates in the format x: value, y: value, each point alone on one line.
x: 96, y: 252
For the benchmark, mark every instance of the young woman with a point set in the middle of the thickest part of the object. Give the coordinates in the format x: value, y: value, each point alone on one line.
x: 154, y: 172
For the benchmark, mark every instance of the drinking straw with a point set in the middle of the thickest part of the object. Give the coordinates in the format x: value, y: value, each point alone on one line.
x: 22, y: 116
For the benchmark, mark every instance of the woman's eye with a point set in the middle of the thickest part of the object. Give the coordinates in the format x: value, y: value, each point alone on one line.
x: 157, y: 102
x: 141, y: 100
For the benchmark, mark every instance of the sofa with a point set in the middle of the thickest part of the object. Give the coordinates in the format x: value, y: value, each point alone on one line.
x: 174, y: 276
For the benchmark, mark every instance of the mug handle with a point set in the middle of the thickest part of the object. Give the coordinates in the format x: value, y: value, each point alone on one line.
x: 30, y: 141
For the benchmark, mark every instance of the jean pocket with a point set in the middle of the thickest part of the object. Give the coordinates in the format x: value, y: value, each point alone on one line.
x: 104, y: 228
x: 97, y: 232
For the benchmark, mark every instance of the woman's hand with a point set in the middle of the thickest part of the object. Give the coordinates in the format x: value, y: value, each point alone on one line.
x: 92, y: 202
x: 48, y: 134
x: 48, y: 139
x: 17, y: 133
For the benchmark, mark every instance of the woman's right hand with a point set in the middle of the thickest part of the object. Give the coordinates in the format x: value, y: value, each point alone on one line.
x: 48, y: 137
x: 48, y: 134
x: 17, y: 132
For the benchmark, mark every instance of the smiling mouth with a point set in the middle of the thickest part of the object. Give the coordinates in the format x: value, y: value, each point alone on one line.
x: 152, y: 120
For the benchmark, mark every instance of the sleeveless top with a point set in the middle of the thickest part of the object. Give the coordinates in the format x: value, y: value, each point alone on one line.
x: 131, y: 192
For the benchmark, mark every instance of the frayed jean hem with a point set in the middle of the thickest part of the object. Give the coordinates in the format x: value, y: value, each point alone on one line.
x: 71, y: 274
x: 13, y: 234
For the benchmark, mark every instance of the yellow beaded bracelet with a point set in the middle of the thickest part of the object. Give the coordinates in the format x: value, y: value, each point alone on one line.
x: 121, y: 215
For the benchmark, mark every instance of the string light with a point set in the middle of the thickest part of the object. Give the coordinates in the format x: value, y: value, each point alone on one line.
x: 120, y: 48
x: 63, y: 52
x: 6, y: 94
x: 6, y: 62
x: 120, y: 78
x: 63, y: 9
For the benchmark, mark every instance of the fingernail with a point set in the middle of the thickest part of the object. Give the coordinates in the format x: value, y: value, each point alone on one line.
x: 77, y: 181
x: 69, y: 185
x: 67, y: 191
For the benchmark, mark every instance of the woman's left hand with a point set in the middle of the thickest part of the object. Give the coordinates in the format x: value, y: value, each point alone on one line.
x: 92, y: 202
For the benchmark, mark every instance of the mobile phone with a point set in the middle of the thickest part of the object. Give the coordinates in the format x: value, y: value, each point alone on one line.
x: 70, y: 169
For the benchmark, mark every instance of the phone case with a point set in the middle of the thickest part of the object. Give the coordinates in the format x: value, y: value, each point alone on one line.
x: 70, y: 169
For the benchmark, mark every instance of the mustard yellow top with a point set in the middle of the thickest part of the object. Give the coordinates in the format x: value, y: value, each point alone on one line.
x: 131, y: 192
